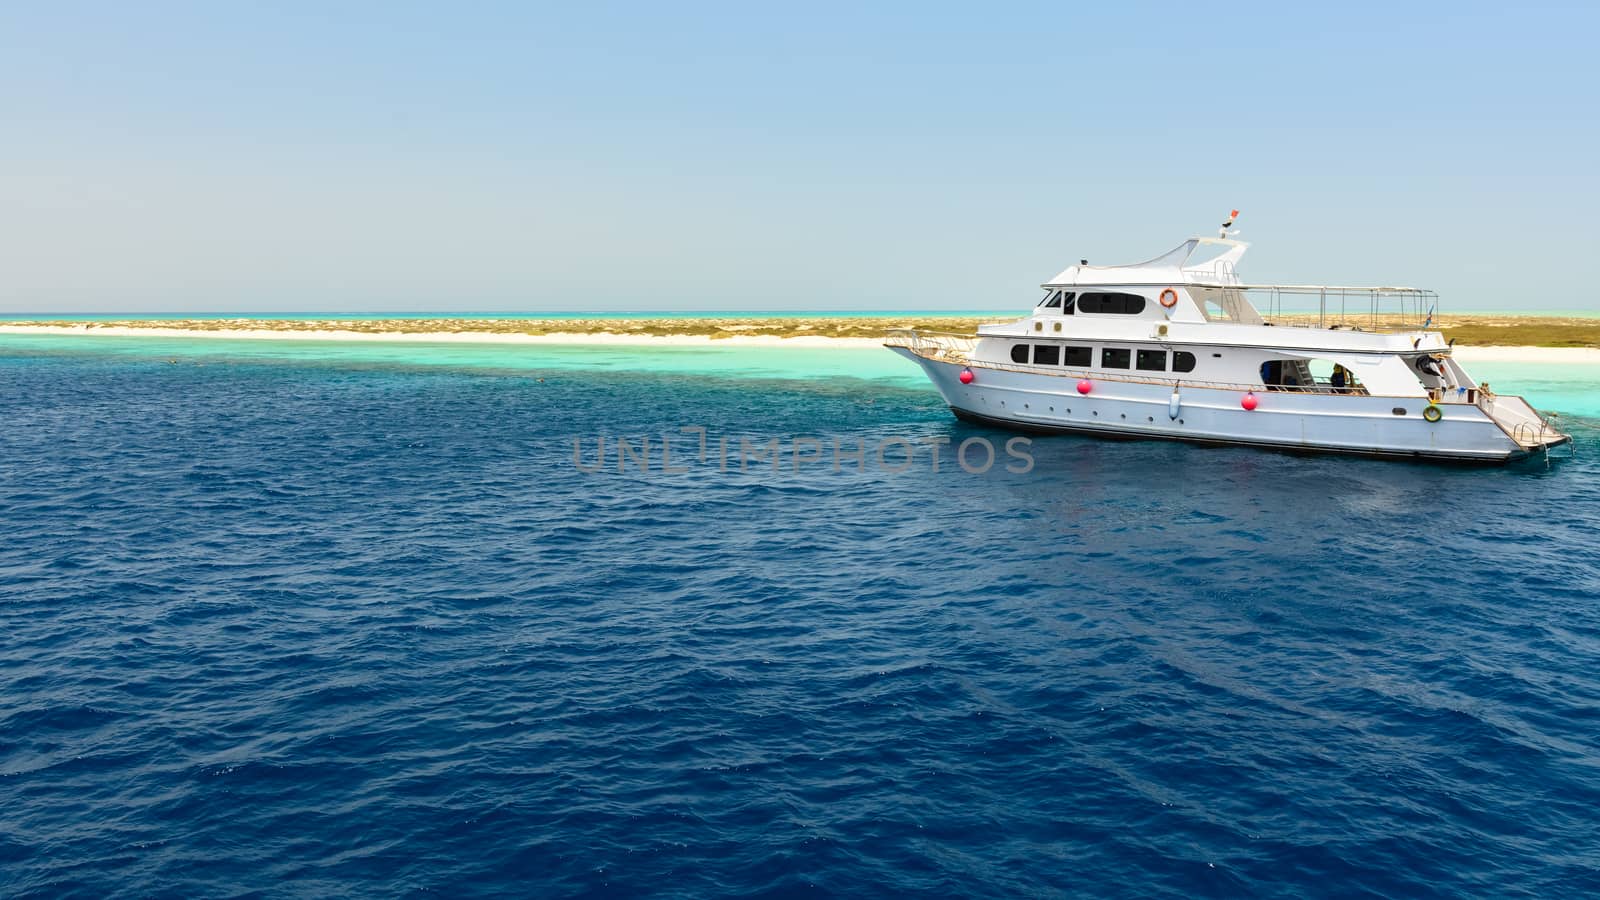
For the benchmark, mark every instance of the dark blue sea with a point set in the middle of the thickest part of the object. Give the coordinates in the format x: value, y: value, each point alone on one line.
x: 318, y: 625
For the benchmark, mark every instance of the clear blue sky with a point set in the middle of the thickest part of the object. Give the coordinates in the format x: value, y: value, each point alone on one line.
x: 502, y: 156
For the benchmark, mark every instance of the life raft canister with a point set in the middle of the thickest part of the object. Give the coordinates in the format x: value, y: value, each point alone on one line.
x: 1432, y: 413
x: 1169, y: 298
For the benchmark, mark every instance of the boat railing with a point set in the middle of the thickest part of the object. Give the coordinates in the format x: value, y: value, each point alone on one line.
x: 1218, y: 272
x: 1375, y: 309
x: 1537, y: 435
x: 1517, y: 418
x: 933, y: 344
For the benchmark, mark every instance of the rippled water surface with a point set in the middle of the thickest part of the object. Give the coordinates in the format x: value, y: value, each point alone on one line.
x: 289, y: 624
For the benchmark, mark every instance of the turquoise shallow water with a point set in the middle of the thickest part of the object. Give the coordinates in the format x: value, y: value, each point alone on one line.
x: 1555, y: 387
x: 1571, y: 390
x: 730, y: 361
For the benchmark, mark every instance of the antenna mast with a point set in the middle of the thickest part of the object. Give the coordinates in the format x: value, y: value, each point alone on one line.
x: 1223, y: 232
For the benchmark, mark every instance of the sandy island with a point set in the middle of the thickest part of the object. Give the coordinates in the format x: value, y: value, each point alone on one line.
x: 1495, y: 338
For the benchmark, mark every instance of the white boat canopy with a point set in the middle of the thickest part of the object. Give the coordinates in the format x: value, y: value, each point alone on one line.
x: 1169, y: 268
x: 1219, y: 270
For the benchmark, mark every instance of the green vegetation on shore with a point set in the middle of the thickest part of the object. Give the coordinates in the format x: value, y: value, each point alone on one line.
x: 1467, y: 329
x: 1530, y: 331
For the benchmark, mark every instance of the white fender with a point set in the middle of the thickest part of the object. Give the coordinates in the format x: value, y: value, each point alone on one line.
x: 1173, y: 403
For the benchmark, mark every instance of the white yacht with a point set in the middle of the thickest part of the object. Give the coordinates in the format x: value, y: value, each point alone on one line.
x: 1181, y: 348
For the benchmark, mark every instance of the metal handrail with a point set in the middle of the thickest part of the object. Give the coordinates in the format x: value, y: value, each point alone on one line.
x: 1415, y: 305
x: 1526, y: 434
x: 943, y: 343
x: 922, y: 332
x: 1216, y: 273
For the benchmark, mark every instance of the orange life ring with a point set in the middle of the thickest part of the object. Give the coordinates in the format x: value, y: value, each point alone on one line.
x: 1169, y: 298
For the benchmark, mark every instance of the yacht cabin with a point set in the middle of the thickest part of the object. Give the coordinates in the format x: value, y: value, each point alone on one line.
x: 1172, y: 318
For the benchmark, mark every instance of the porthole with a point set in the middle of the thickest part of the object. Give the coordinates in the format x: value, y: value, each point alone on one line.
x: 1149, y: 418
x: 1058, y: 326
x: 1038, y: 326
x: 1399, y: 410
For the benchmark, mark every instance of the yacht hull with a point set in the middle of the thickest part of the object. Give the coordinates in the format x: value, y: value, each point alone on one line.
x: 1388, y: 427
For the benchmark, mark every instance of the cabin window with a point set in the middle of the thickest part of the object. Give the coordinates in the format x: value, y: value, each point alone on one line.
x: 1081, y: 357
x: 1331, y: 377
x: 1066, y: 303
x: 1182, y: 361
x: 1111, y: 358
x: 1272, y: 373
x: 1287, y: 375
x: 1054, y: 302
x: 1107, y: 303
x: 1046, y: 355
x: 1319, y: 376
x: 1019, y: 353
x: 1152, y: 360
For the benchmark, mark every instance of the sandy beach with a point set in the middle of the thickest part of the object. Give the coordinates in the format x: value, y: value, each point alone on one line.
x: 821, y: 331
x: 463, y: 337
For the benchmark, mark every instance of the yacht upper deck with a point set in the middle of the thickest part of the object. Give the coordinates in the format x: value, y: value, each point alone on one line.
x: 1197, y: 283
